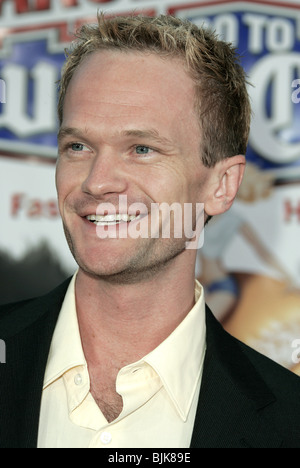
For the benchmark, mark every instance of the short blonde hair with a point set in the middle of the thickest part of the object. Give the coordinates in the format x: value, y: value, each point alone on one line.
x: 222, y: 101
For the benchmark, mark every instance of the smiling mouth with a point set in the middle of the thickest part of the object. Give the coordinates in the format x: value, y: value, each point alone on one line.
x: 111, y: 220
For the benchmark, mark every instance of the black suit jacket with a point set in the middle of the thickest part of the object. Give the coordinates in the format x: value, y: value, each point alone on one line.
x: 246, y: 400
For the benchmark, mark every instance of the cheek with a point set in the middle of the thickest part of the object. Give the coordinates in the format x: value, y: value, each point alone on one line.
x: 66, y: 182
x: 168, y: 177
x: 62, y: 184
x: 172, y: 183
x: 198, y: 187
x: 189, y: 182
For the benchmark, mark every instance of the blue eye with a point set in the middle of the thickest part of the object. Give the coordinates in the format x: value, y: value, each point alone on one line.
x: 143, y: 150
x: 77, y: 147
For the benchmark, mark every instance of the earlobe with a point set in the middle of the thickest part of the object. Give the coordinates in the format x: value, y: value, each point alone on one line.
x: 229, y: 175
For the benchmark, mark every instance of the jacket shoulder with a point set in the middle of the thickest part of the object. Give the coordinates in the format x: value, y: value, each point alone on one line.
x: 6, y: 309
x: 281, y: 380
x: 18, y: 315
x: 256, y: 383
x: 283, y: 415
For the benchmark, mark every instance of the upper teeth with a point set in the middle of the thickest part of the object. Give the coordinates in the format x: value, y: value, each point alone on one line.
x: 113, y: 218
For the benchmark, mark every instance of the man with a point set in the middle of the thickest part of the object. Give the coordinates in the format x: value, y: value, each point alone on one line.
x: 153, y: 112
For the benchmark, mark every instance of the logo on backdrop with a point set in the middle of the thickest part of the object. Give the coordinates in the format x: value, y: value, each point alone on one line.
x: 268, y: 38
x: 31, y: 58
x: 28, y: 122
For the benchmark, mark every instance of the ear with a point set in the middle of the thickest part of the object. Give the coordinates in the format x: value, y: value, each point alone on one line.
x: 227, y: 176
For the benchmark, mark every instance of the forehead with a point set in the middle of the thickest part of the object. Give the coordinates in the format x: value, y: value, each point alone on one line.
x: 122, y: 74
x: 113, y: 91
x: 134, y: 63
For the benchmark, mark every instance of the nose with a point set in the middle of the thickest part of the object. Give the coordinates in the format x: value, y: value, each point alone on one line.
x: 106, y: 176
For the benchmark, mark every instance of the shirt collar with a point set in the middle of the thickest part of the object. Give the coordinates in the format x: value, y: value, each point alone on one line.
x: 178, y: 360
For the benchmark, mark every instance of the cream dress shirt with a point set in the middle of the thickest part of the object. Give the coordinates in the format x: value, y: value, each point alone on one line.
x: 160, y: 392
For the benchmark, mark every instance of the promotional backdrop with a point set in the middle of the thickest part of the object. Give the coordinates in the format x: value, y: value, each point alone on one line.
x: 250, y: 262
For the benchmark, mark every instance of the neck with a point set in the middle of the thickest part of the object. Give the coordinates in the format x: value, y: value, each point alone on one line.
x: 130, y: 320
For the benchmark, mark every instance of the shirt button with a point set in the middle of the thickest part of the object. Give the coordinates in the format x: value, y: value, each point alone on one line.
x: 106, y: 438
x: 78, y: 379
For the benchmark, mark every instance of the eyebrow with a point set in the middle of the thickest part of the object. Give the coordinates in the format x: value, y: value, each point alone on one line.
x: 147, y: 134
x: 142, y: 134
x: 68, y: 131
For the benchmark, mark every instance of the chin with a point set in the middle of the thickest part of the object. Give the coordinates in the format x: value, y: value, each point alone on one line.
x: 122, y: 261
x: 97, y: 266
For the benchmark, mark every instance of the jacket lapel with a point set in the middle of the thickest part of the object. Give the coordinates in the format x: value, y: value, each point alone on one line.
x: 233, y: 397
x: 27, y: 333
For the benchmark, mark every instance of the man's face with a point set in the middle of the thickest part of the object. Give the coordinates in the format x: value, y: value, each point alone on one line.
x: 129, y: 130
